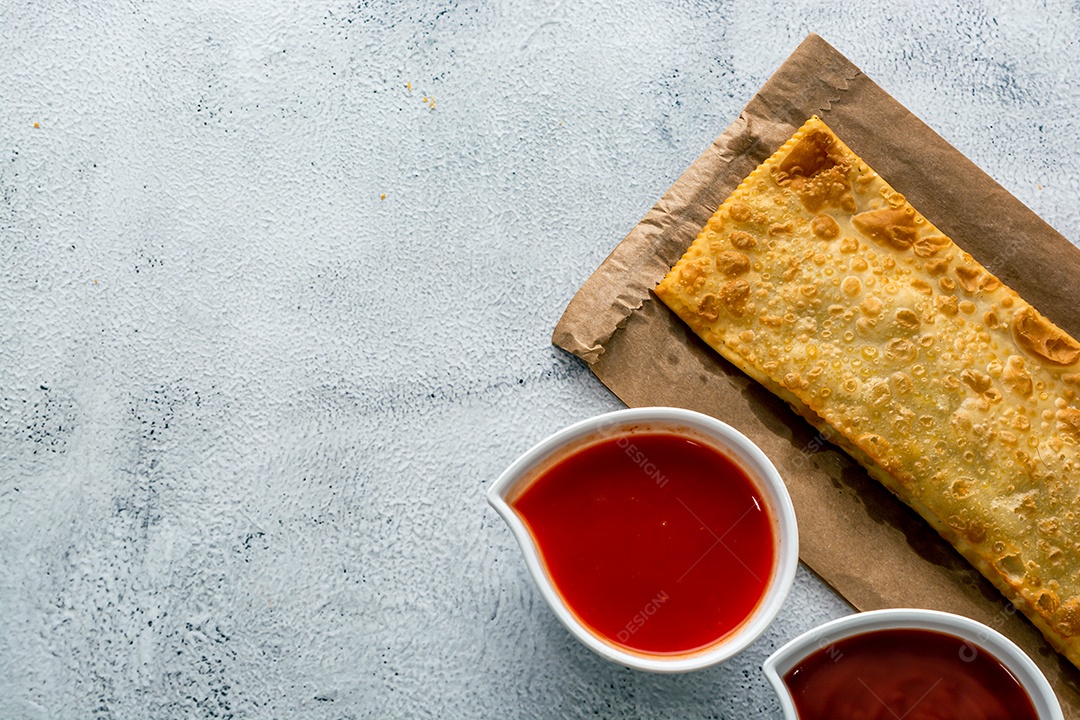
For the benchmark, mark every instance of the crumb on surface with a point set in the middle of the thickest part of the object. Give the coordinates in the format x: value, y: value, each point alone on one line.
x: 383, y: 196
x: 37, y: 125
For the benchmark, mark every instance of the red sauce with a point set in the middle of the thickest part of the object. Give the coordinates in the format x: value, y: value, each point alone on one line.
x: 657, y: 543
x: 909, y: 674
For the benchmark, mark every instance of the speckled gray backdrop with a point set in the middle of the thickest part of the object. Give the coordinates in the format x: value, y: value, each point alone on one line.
x: 248, y: 406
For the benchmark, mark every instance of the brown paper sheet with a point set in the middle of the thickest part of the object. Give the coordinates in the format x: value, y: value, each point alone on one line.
x: 854, y: 534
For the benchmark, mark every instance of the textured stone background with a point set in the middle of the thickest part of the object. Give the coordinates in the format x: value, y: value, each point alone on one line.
x: 248, y: 410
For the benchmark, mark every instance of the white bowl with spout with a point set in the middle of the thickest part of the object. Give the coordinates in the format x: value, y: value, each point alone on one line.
x: 703, y: 428
x: 980, y: 636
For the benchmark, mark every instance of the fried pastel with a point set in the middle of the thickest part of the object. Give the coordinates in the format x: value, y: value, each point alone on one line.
x: 823, y: 283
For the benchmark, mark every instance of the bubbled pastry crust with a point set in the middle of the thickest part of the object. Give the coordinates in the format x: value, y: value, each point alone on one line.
x: 822, y: 282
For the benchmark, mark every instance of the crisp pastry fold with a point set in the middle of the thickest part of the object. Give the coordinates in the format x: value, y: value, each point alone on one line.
x: 824, y: 284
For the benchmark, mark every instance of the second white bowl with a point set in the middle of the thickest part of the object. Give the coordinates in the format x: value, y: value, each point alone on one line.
x: 1019, y: 664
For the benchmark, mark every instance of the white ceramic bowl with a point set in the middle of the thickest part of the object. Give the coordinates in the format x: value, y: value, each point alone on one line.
x: 703, y: 428
x: 1019, y: 664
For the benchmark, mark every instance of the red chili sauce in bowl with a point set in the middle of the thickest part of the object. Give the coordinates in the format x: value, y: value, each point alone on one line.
x: 906, y: 673
x: 657, y: 543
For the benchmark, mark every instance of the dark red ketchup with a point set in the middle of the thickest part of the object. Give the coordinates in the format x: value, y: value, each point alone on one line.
x: 657, y: 543
x: 909, y: 674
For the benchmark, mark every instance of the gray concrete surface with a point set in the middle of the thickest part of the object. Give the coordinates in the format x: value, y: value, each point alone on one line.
x: 249, y: 407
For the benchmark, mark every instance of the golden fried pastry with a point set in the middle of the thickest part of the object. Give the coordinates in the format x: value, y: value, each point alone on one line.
x: 823, y: 283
